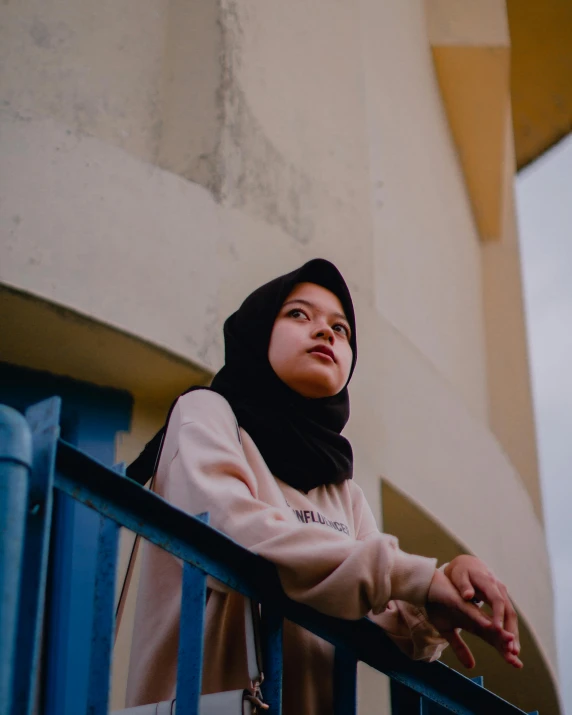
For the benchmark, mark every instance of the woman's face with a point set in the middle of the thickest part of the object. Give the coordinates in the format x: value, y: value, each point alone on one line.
x: 310, y: 347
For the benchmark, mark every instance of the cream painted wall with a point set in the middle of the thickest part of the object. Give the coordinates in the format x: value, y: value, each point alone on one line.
x: 465, y: 22
x: 511, y: 409
x: 320, y: 131
x: 94, y: 67
x: 303, y: 173
x: 89, y: 226
x: 427, y: 253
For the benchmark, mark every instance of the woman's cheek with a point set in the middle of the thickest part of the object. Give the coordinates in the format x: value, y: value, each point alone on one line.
x: 347, y: 363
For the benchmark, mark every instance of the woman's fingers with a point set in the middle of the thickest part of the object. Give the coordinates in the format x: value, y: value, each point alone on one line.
x: 514, y: 660
x: 492, y: 596
x: 460, y: 648
x: 462, y: 583
x: 511, y: 621
x: 474, y: 613
x: 504, y: 614
x: 488, y: 590
x: 471, y: 618
x: 506, y: 650
x: 502, y: 641
x: 473, y: 580
x: 449, y: 621
x: 442, y: 591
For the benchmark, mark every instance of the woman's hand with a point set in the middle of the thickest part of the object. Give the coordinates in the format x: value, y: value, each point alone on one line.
x: 449, y: 612
x: 442, y: 591
x: 449, y: 624
x: 474, y: 581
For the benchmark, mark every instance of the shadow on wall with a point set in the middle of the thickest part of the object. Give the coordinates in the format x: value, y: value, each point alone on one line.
x: 529, y: 689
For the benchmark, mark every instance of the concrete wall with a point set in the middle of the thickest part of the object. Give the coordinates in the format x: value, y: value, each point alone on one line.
x: 161, y: 159
x: 427, y: 252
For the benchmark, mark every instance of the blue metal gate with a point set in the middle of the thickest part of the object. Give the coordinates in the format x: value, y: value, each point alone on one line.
x: 34, y: 463
x: 90, y: 418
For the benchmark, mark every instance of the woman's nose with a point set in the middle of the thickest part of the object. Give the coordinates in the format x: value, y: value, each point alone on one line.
x: 324, y: 331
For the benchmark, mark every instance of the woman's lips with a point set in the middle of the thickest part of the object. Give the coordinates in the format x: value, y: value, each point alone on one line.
x: 323, y: 352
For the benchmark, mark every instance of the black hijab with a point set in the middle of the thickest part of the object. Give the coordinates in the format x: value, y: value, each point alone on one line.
x: 298, y: 437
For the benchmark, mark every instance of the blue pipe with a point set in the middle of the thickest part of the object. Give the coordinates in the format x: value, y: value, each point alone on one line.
x: 15, y: 465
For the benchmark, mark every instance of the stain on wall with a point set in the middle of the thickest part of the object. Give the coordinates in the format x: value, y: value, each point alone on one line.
x: 256, y: 176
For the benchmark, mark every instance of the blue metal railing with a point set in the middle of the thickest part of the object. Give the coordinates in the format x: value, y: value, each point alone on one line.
x: 33, y: 462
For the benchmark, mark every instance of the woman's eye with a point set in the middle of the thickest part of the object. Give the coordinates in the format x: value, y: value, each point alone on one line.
x: 344, y: 330
x: 296, y: 313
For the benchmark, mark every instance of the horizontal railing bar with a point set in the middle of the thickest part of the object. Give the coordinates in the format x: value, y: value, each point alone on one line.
x: 186, y: 537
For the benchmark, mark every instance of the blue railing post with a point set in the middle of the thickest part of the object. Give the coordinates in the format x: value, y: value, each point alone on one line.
x: 44, y: 422
x: 272, y: 628
x: 103, y: 626
x: 191, y: 632
x: 15, y: 465
x: 345, y: 683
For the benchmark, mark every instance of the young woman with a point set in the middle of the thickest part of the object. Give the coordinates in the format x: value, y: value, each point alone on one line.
x: 262, y: 452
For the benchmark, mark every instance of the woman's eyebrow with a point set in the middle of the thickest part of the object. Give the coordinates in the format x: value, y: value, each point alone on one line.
x: 311, y: 305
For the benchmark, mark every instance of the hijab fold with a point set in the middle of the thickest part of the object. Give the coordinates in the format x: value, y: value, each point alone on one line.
x: 299, y: 438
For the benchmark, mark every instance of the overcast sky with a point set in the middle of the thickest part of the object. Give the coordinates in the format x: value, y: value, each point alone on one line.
x: 544, y: 205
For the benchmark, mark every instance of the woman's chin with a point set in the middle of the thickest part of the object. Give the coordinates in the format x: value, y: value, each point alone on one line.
x: 315, y: 387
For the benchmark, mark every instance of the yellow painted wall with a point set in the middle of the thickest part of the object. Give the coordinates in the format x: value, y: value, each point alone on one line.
x: 541, y: 75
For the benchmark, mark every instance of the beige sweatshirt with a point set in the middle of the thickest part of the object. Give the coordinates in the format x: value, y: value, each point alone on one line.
x: 326, y: 545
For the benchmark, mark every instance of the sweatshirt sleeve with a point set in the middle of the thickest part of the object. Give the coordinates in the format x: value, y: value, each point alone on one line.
x: 322, y: 568
x: 405, y: 623
x: 409, y: 628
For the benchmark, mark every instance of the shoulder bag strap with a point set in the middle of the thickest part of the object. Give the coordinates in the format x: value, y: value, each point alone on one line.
x: 133, y: 555
x: 253, y: 644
